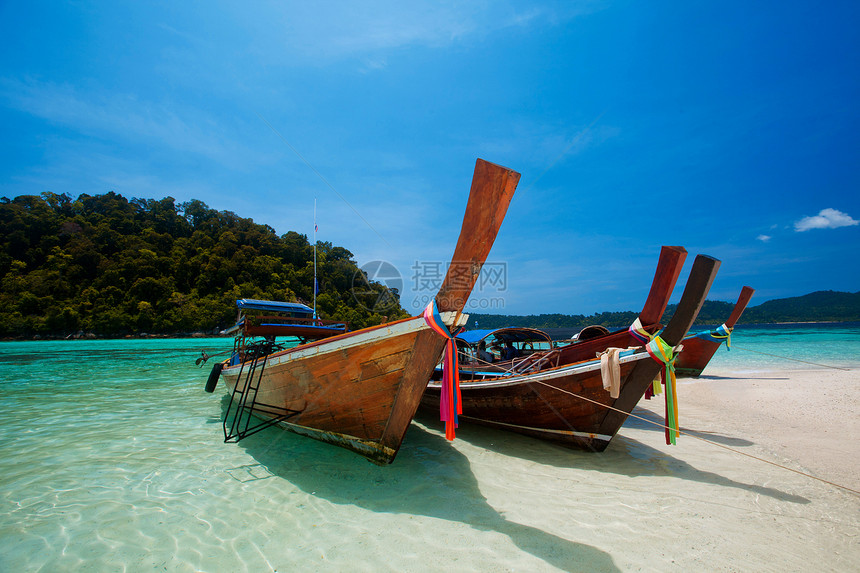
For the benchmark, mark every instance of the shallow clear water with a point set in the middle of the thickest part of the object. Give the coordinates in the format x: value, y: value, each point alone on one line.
x: 789, y: 347
x: 112, y: 458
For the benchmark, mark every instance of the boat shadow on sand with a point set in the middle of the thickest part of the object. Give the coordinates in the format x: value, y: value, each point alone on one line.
x: 624, y: 456
x: 429, y: 477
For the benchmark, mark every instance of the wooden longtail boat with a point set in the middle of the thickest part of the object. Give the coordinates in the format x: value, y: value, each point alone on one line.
x: 534, y: 350
x: 700, y: 348
x: 360, y: 390
x: 568, y: 403
x: 669, y: 266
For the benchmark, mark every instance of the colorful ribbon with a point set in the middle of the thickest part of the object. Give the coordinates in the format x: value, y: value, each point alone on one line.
x: 450, y: 403
x: 662, y: 352
x: 638, y: 332
x: 718, y: 335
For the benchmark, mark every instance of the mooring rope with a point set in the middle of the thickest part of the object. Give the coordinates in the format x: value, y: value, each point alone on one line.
x: 201, y: 360
x: 794, y: 359
x: 688, y: 433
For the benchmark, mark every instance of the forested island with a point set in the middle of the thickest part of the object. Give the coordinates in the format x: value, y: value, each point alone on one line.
x: 108, y: 266
x: 104, y: 265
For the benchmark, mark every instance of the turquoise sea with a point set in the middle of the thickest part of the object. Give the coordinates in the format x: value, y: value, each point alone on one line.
x: 795, y: 346
x: 112, y: 459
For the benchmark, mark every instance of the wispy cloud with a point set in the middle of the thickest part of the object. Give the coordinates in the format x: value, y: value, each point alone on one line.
x: 124, y: 118
x: 764, y: 238
x: 826, y: 219
x: 313, y: 33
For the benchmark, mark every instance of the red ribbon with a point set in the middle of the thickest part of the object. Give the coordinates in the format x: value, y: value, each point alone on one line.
x: 450, y: 403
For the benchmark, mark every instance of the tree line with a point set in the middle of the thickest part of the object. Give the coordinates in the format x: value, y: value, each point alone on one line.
x: 111, y: 266
x: 821, y: 306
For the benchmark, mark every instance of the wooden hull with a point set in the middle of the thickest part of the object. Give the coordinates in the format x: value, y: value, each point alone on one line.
x: 695, y: 357
x: 567, y: 404
x: 359, y: 390
x: 698, y: 351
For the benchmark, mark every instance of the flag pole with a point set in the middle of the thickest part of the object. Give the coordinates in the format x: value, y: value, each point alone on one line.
x: 315, y: 257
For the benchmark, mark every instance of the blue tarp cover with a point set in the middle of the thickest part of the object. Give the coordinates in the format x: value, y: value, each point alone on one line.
x: 512, y: 334
x: 473, y: 336
x: 273, y: 305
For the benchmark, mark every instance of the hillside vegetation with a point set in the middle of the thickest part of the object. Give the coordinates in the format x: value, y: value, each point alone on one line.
x: 110, y: 266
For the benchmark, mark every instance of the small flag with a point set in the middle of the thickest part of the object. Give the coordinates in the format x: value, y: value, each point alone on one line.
x: 316, y: 228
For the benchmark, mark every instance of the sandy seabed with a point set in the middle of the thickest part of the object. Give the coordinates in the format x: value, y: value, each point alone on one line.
x: 162, y: 492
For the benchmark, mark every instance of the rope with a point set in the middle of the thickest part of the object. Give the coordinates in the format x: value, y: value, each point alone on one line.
x: 719, y: 335
x: 688, y: 433
x: 201, y: 360
x: 667, y: 429
x: 794, y: 359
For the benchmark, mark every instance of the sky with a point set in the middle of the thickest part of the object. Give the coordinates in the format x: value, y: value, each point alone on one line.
x: 730, y: 128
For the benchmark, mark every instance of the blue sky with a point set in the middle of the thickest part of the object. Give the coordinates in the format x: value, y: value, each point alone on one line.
x: 730, y: 128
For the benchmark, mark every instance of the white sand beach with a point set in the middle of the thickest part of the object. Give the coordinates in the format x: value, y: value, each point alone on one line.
x: 646, y: 506
x: 808, y: 417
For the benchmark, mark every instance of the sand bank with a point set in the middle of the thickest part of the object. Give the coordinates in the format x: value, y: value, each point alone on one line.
x: 645, y: 506
x: 808, y: 417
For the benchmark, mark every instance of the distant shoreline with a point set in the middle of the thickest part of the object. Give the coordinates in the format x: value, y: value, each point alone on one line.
x: 554, y: 330
x: 93, y: 336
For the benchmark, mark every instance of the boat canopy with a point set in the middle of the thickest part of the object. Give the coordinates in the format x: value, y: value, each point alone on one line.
x: 274, y: 306
x: 283, y: 319
x: 507, y: 334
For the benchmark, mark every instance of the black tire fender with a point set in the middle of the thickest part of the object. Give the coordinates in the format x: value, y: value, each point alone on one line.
x: 212, y: 382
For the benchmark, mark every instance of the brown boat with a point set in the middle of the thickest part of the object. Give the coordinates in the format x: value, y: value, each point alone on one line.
x: 700, y: 348
x: 522, y: 350
x: 594, y: 339
x: 360, y: 390
x: 568, y: 403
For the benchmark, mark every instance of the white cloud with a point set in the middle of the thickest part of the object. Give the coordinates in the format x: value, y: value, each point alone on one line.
x: 764, y: 238
x: 826, y: 219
